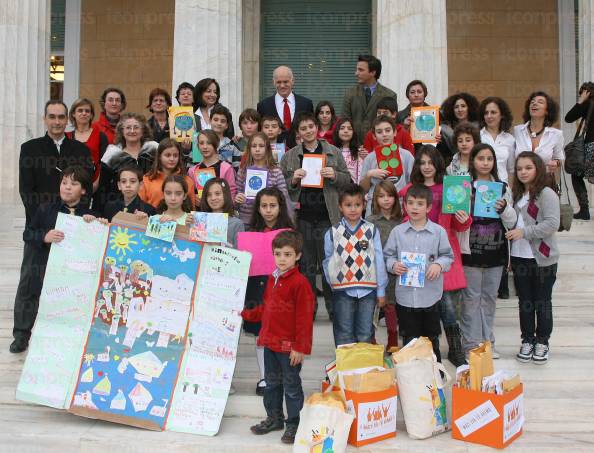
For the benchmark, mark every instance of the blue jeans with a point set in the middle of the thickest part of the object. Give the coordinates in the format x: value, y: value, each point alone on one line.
x: 282, y: 378
x: 447, y: 309
x: 353, y: 317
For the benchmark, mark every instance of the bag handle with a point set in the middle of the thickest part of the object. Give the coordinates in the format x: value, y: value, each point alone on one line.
x: 437, y: 366
x: 566, y: 188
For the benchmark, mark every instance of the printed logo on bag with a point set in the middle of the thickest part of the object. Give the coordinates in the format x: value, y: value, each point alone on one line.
x: 439, y: 406
x: 480, y: 416
x: 513, y: 417
x: 321, y: 441
x: 376, y: 418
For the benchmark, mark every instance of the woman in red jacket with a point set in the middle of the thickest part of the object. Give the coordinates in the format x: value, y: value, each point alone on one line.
x: 113, y: 103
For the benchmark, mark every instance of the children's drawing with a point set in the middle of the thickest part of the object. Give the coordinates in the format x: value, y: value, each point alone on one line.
x: 209, y: 227
x: 181, y: 123
x: 415, y: 276
x: 388, y: 158
x: 164, y: 231
x: 456, y: 194
x: 486, y: 195
x: 146, y: 299
x: 256, y: 179
x: 201, y: 177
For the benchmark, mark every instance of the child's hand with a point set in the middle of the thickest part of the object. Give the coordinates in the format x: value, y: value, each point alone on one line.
x: 515, y: 234
x: 363, y: 152
x: 88, y: 218
x: 298, y: 175
x: 296, y: 358
x: 240, y: 198
x: 378, y: 173
x: 140, y: 215
x: 398, y: 268
x: 53, y: 236
x: 461, y: 216
x: 328, y: 172
x: 500, y: 205
x: 381, y: 301
x: 102, y: 221
x: 190, y: 219
x: 166, y: 218
x: 434, y: 271
x: 438, y: 138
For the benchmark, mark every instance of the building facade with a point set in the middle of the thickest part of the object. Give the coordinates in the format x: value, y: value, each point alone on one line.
x: 507, y: 48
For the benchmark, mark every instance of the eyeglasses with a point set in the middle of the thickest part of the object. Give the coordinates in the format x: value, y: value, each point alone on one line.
x: 132, y: 128
x: 113, y: 100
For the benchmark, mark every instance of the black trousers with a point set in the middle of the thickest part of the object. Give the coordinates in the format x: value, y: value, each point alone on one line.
x: 581, y: 193
x: 534, y: 286
x: 26, y: 301
x: 420, y: 322
x: 313, y: 255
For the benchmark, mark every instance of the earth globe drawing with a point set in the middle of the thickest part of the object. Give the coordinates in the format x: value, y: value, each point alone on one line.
x: 255, y: 183
x: 425, y: 122
x: 489, y: 196
x: 456, y: 194
x: 392, y: 163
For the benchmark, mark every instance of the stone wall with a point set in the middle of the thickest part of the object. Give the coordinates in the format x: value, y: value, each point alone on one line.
x: 506, y: 48
x: 128, y: 44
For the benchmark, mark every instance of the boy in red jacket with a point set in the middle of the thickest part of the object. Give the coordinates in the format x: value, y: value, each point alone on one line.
x: 286, y: 334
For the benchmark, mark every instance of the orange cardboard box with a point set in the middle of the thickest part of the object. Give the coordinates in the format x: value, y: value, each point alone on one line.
x: 375, y: 414
x: 487, y: 418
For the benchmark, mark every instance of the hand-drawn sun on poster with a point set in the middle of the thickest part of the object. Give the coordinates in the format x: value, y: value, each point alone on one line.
x: 120, y: 240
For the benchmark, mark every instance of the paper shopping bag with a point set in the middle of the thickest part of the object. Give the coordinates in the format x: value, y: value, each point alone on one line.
x: 359, y: 355
x: 480, y: 360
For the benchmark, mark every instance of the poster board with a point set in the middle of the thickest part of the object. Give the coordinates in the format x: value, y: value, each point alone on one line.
x: 132, y: 382
x: 65, y: 309
x: 486, y: 195
x: 388, y: 158
x: 181, y: 123
x: 424, y: 124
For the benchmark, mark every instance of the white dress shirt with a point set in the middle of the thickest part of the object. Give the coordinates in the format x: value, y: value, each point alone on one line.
x: 550, y: 146
x: 505, y: 151
x: 203, y: 122
x: 280, y: 105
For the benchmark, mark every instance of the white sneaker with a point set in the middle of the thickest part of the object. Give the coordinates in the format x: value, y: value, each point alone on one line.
x: 495, y: 354
x: 541, y: 354
x: 232, y: 390
x: 526, y: 352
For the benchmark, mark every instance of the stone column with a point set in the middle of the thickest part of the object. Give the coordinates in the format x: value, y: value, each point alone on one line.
x: 24, y: 83
x: 207, y: 42
x: 411, y: 42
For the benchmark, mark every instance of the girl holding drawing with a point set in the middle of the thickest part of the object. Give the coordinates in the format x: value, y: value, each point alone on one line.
x: 259, y: 158
x: 270, y: 213
x: 429, y: 169
x: 488, y: 255
x: 216, y: 197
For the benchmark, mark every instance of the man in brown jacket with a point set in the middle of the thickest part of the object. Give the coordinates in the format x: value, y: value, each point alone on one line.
x: 360, y: 101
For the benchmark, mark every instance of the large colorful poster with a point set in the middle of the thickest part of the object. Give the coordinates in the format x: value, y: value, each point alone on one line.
x: 65, y: 311
x: 206, y: 374
x: 137, y: 338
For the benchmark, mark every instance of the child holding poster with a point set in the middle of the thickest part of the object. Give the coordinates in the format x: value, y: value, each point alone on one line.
x: 273, y: 127
x: 384, y: 129
x: 429, y: 170
x: 534, y: 254
x: 129, y: 184
x: 270, y: 213
x: 217, y: 198
x: 418, y: 306
x: 488, y: 251
x: 258, y: 171
x: 387, y: 214
x: 286, y: 335
x: 167, y: 162
x: 208, y: 143
x: 41, y: 233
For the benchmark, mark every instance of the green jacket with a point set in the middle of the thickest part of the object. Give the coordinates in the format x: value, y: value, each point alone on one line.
x: 356, y: 107
x: 291, y: 162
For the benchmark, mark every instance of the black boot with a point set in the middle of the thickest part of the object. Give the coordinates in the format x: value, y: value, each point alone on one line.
x: 455, y: 351
x: 582, y: 214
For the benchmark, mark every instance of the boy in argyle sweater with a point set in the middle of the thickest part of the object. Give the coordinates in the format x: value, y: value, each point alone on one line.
x: 354, y: 266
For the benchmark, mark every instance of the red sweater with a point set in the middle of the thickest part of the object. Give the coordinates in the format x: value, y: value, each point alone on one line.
x: 401, y: 138
x: 106, y: 127
x: 286, y: 314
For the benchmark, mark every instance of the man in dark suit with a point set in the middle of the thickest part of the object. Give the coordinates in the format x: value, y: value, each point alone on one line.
x: 284, y: 104
x: 41, y: 163
x: 360, y: 101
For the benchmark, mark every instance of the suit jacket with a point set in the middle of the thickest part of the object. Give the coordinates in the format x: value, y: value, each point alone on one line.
x: 267, y: 106
x: 362, y: 113
x: 41, y: 167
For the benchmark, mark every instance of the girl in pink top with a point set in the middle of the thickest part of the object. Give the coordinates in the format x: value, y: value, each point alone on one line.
x: 353, y: 152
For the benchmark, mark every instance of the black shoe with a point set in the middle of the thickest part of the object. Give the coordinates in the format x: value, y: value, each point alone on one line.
x: 260, y: 389
x: 19, y: 345
x: 289, y: 435
x: 268, y: 425
x: 582, y: 214
x: 503, y: 295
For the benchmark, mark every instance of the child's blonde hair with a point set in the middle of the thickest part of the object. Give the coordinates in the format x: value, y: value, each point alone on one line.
x: 249, y: 160
x: 390, y: 189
